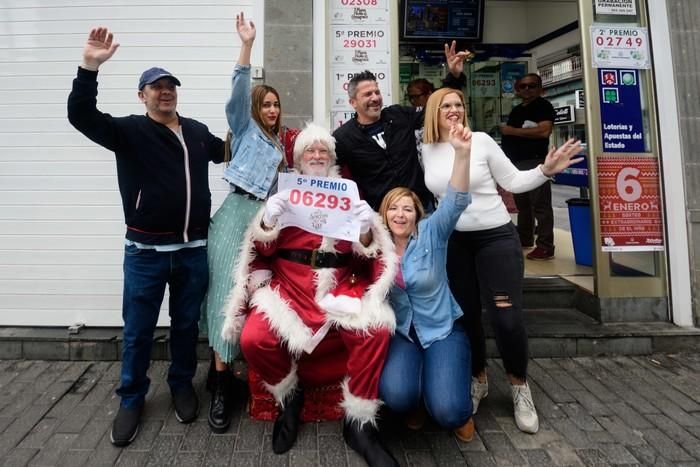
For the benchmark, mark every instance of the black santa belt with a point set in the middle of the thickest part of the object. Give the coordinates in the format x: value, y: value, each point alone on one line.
x: 315, y: 258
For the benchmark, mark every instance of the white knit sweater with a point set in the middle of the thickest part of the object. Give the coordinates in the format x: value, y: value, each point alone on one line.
x: 488, y: 166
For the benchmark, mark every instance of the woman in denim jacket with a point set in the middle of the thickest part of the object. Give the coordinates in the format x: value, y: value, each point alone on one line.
x: 429, y: 358
x: 257, y: 149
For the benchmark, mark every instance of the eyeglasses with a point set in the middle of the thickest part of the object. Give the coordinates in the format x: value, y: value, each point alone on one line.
x: 524, y: 86
x: 412, y: 97
x: 458, y: 106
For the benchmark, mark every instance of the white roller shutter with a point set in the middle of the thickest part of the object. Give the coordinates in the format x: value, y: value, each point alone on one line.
x: 61, y: 224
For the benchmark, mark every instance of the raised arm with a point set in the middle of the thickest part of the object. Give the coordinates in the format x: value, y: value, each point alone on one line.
x: 246, y: 32
x: 238, y: 107
x: 455, y: 60
x: 561, y: 158
x: 461, y: 140
x: 456, y: 198
x: 99, y: 48
x: 521, y: 181
x: 82, y: 101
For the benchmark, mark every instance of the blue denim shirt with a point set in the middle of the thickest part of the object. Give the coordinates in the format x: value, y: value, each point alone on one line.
x: 427, y: 302
x: 254, y: 158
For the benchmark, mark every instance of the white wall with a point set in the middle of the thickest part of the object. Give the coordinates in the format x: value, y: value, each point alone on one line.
x: 61, y: 224
x: 519, y: 22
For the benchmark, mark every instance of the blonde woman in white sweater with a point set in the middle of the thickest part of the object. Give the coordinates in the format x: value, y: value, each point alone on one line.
x: 484, y: 261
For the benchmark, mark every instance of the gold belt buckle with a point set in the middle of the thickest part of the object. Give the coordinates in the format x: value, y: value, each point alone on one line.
x: 314, y: 252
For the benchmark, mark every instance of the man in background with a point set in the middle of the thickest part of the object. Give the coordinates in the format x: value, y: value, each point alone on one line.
x: 418, y: 91
x: 525, y: 141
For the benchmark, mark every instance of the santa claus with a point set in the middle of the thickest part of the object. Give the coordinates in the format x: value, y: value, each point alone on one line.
x: 310, y: 286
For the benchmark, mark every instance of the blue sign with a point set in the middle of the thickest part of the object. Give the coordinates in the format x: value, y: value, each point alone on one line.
x: 620, y: 110
x: 510, y: 73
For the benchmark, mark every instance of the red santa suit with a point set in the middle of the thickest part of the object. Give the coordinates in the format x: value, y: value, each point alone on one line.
x: 291, y: 315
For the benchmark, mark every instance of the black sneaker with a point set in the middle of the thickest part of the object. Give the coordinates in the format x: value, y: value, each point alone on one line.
x: 186, y: 404
x: 125, y: 426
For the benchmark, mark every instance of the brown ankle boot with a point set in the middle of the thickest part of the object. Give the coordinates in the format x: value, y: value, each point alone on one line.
x: 465, y: 432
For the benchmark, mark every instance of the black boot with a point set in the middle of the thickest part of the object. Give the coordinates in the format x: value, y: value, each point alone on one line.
x: 221, y: 404
x: 365, y: 441
x: 284, y: 433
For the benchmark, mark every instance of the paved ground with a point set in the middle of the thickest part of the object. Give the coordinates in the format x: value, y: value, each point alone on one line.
x: 593, y: 411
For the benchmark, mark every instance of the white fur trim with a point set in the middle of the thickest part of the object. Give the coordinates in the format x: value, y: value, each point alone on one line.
x: 325, y: 281
x: 283, y: 320
x: 258, y: 233
x: 340, y: 304
x: 284, y: 388
x: 376, y: 312
x: 359, y: 410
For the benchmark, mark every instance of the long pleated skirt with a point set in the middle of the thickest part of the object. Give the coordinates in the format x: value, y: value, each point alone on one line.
x: 226, y: 231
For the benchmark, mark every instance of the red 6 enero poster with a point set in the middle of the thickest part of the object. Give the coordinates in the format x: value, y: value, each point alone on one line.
x: 630, y: 203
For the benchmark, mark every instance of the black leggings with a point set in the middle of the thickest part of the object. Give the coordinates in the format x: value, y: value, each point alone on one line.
x: 486, y: 267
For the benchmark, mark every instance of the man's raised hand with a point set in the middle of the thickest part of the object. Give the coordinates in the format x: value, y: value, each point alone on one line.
x: 99, y: 48
x: 455, y: 60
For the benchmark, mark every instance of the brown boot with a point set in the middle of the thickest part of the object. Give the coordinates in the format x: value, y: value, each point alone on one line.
x: 465, y: 432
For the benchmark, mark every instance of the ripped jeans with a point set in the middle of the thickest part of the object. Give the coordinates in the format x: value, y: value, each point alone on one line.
x: 485, y: 268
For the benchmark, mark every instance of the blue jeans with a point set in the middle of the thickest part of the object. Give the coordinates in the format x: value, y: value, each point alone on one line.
x: 146, y: 272
x: 440, y: 375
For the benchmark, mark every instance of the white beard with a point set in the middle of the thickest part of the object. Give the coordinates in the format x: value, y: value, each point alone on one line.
x: 315, y: 170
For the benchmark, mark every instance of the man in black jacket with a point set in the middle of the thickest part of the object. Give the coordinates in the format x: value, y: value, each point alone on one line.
x: 162, y: 169
x: 379, y: 145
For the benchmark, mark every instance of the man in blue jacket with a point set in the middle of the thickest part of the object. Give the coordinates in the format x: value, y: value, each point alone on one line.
x: 162, y: 168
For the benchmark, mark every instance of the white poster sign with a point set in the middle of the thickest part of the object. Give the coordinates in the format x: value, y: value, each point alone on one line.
x: 321, y: 205
x: 339, y: 85
x: 620, y: 46
x: 359, y: 39
x: 616, y: 7
x: 485, y: 85
x: 360, y: 45
x: 359, y: 11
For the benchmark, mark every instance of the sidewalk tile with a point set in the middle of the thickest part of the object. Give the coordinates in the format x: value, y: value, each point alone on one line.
x: 617, y: 454
x: 562, y: 453
x: 538, y: 457
x: 503, y: 451
x: 164, y: 449
x: 482, y: 459
x: 250, y: 436
x: 246, y: 459
x: 188, y: 459
x: 219, y: 450
x: 666, y: 446
x: 303, y: 458
x: 331, y: 450
x: 420, y: 459
x: 54, y: 448
x: 621, y: 432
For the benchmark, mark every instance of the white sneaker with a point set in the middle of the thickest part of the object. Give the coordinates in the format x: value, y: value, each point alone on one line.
x: 525, y: 413
x: 479, y: 391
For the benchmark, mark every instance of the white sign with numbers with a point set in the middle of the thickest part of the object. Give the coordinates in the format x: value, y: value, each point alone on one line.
x: 321, y: 205
x: 620, y: 46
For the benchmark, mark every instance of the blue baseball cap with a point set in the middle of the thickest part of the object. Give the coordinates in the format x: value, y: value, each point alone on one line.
x: 152, y: 75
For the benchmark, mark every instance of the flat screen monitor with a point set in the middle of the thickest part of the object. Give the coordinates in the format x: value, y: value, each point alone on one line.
x: 424, y: 20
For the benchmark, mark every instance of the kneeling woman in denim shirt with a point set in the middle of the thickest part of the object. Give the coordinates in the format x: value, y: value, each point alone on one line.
x: 429, y: 358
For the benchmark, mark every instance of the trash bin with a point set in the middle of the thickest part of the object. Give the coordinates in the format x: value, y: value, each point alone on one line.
x: 580, y: 220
